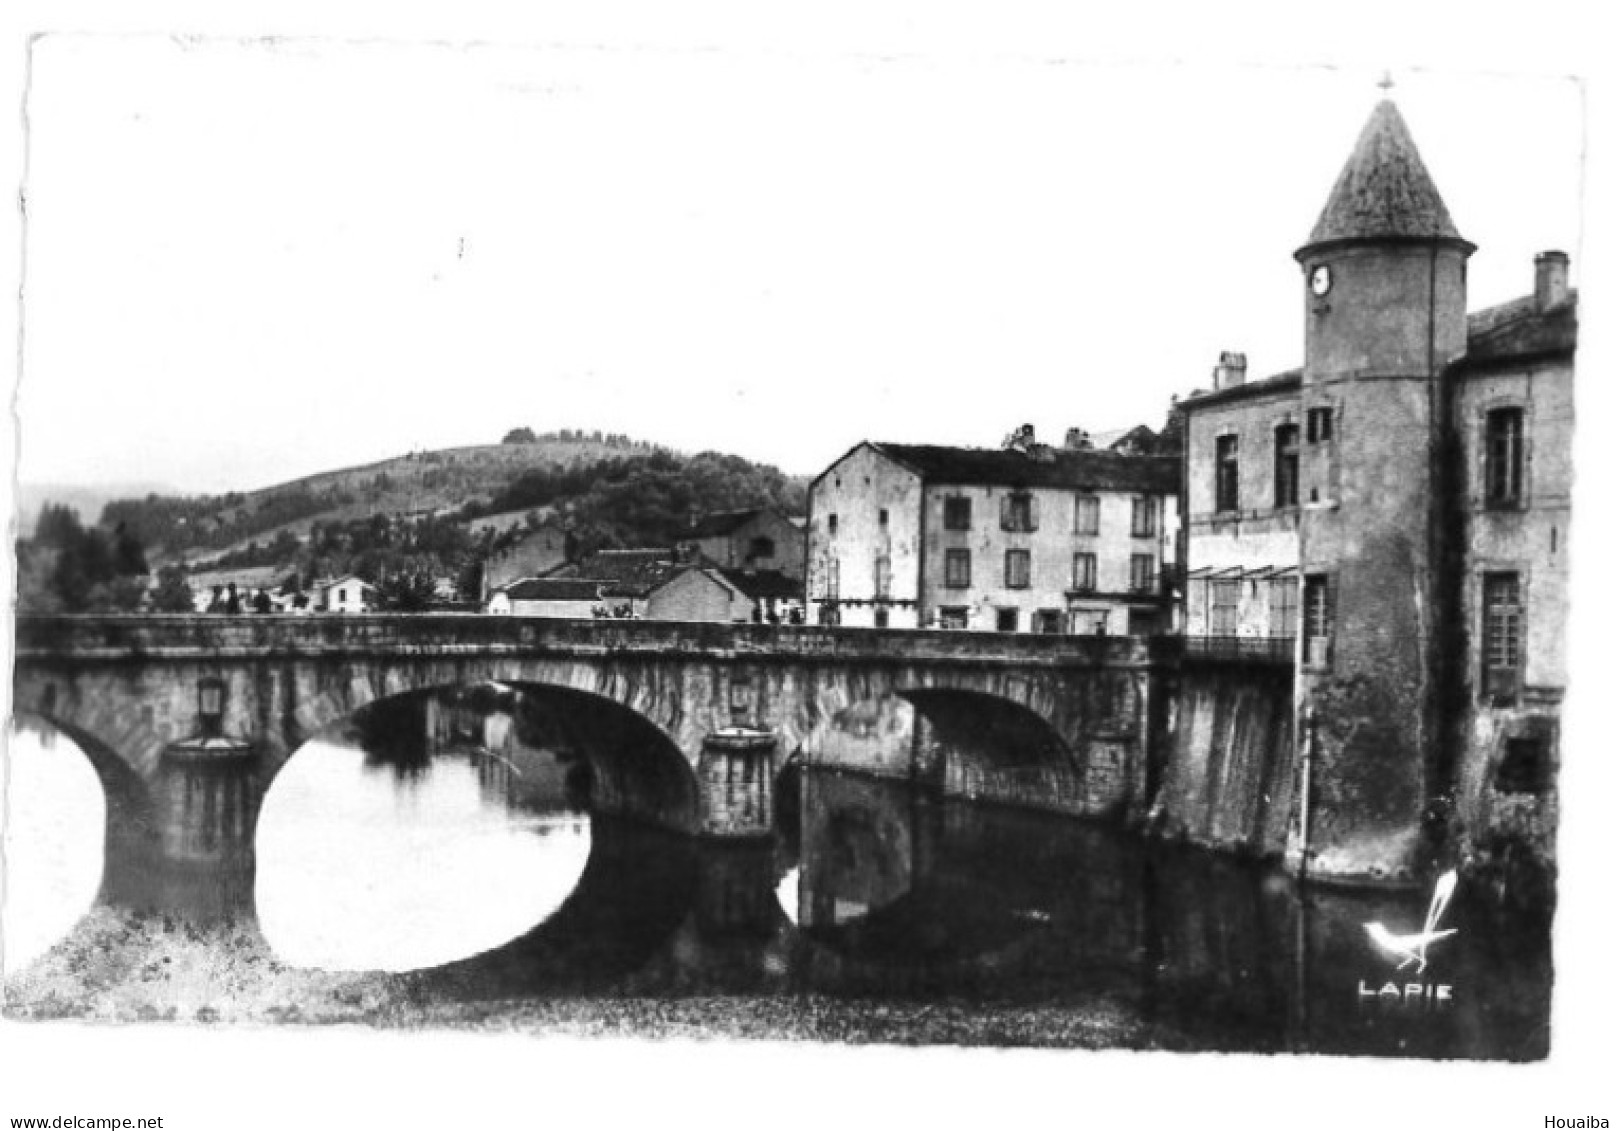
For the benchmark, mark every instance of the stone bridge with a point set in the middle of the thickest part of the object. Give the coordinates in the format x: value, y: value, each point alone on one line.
x: 695, y: 720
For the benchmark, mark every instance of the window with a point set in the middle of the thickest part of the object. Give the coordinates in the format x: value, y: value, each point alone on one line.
x: 953, y: 616
x: 882, y: 576
x: 1005, y: 620
x: 833, y: 573
x: 827, y: 614
x: 882, y: 518
x: 1017, y: 569
x: 1018, y: 512
x: 1142, y: 515
x: 1503, y: 635
x: 1317, y: 620
x: 1141, y: 573
x: 1225, y: 473
x: 1087, y: 514
x: 879, y: 618
x: 958, y: 513
x: 1048, y: 622
x: 1284, y: 606
x: 1503, y: 457
x: 1318, y: 425
x: 1088, y: 622
x: 958, y: 569
x: 1287, y: 465
x: 832, y: 524
x: 761, y: 548
x: 1223, y: 596
x: 1084, y: 572
x: 1142, y: 622
x: 1523, y: 767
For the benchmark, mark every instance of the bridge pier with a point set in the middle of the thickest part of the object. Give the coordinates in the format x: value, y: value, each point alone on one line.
x: 735, y: 787
x: 207, y: 797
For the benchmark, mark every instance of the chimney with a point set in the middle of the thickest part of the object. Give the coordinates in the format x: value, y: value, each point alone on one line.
x: 1021, y: 439
x: 1551, y: 280
x: 1232, y: 370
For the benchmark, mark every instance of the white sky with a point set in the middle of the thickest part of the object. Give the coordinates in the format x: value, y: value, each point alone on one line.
x: 252, y: 260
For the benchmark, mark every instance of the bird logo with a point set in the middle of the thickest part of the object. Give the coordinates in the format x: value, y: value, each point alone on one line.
x: 1414, y: 947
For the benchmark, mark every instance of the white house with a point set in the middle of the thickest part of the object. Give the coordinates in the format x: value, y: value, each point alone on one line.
x: 349, y: 594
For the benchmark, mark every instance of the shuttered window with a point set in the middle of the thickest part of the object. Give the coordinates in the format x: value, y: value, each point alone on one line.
x: 1020, y: 512
x: 1318, y: 618
x: 1017, y: 569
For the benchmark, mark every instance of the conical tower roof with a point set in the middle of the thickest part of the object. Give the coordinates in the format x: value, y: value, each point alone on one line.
x: 1384, y: 190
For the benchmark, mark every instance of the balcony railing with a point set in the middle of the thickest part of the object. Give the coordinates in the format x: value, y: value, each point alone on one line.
x: 1261, y: 649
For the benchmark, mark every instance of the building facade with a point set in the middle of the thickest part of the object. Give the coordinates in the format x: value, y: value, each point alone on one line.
x: 1390, y: 520
x: 534, y: 554
x: 1026, y: 538
x: 759, y: 538
x: 349, y: 594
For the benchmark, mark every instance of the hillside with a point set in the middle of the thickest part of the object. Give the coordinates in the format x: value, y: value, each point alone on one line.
x: 87, y: 499
x: 410, y: 521
x: 175, y: 526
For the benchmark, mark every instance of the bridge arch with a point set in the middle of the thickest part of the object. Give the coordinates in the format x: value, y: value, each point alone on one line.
x: 636, y: 768
x: 131, y: 825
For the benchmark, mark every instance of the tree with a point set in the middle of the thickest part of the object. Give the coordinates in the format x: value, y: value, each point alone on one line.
x: 173, y: 591
x: 519, y: 436
x: 413, y: 594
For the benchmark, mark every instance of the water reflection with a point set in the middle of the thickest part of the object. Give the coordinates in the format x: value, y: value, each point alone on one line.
x: 427, y: 833
x: 454, y: 839
x: 364, y: 870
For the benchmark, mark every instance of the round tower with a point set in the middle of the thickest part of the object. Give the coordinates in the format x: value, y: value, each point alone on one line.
x: 1384, y: 279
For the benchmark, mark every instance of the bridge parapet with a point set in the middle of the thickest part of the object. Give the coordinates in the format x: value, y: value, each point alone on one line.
x: 655, y: 693
x: 106, y: 637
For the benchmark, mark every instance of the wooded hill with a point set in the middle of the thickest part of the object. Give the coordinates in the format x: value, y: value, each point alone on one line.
x: 173, y: 527
x: 428, y: 514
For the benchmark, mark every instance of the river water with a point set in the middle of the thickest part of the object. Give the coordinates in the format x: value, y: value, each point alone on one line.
x: 463, y: 858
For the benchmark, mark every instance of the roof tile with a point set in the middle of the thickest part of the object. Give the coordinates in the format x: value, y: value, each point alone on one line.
x: 1384, y: 189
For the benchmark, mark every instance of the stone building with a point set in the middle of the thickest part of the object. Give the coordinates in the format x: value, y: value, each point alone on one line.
x: 695, y: 593
x: 562, y: 597
x: 534, y: 554
x: 759, y: 538
x: 1027, y: 538
x: 1391, y: 521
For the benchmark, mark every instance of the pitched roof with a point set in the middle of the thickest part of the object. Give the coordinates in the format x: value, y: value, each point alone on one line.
x: 1384, y: 189
x: 625, y: 573
x: 711, y: 575
x: 1282, y: 382
x: 554, y: 589
x: 1050, y: 467
x: 763, y: 584
x: 1516, y: 329
x: 717, y: 524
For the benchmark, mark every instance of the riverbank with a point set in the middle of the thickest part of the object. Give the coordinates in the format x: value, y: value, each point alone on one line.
x: 125, y: 967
